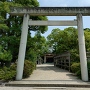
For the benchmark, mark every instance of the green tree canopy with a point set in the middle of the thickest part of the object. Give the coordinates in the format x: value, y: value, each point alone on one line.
x: 37, y: 47
x: 10, y: 26
x: 63, y: 40
x: 67, y: 40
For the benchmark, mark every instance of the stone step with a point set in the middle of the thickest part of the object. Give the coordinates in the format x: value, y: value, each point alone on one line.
x: 49, y: 85
x: 42, y: 88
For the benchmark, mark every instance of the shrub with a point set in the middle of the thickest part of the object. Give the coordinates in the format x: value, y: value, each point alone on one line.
x: 28, y: 68
x: 1, y: 74
x: 75, y: 67
x: 13, y: 66
x: 10, y: 73
x: 7, y: 74
x: 88, y: 64
x: 78, y: 73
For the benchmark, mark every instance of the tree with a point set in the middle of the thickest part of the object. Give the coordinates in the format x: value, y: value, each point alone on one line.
x: 67, y: 40
x: 37, y: 47
x: 11, y: 25
x: 87, y: 39
x: 53, y: 38
x: 64, y: 40
x: 5, y: 56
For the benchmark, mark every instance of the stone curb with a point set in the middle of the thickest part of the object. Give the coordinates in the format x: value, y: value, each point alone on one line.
x: 49, y: 85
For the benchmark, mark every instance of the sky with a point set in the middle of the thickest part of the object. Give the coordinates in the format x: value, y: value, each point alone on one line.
x: 65, y: 3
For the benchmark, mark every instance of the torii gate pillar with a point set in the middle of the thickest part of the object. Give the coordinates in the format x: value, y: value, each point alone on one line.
x: 22, y: 48
x: 82, y: 50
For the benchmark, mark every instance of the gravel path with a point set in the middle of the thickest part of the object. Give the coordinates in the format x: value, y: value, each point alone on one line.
x: 49, y: 72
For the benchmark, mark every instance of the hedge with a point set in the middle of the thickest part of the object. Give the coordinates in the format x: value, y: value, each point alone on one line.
x: 10, y: 73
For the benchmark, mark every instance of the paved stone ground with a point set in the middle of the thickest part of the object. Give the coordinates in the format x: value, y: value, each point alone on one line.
x: 48, y: 74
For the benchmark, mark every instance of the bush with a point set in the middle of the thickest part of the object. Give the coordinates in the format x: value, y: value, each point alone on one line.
x: 13, y: 66
x: 28, y: 68
x: 78, y: 73
x: 10, y: 73
x: 88, y: 64
x: 1, y: 74
x: 7, y: 74
x: 75, y: 67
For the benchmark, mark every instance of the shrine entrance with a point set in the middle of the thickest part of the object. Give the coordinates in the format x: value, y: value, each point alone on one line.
x: 52, y: 11
x: 49, y: 58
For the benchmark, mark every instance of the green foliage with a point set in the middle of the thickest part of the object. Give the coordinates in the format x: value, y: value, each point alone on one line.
x: 10, y: 29
x: 28, y: 68
x: 5, y: 55
x: 4, y: 7
x: 28, y: 3
x: 31, y: 55
x: 67, y: 40
x: 74, y: 55
x: 88, y: 64
x: 3, y: 26
x: 38, y: 46
x: 75, y: 67
x: 7, y: 74
x: 64, y: 40
x: 10, y: 73
x: 13, y: 66
x: 78, y: 73
x: 87, y: 39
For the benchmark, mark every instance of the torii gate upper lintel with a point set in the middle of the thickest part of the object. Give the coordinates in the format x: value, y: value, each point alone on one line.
x: 52, y: 11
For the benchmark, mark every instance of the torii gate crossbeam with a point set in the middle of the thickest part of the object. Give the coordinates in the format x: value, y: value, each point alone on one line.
x: 52, y: 11
x: 53, y: 23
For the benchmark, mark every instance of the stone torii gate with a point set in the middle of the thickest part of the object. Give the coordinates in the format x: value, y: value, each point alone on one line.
x: 52, y: 11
